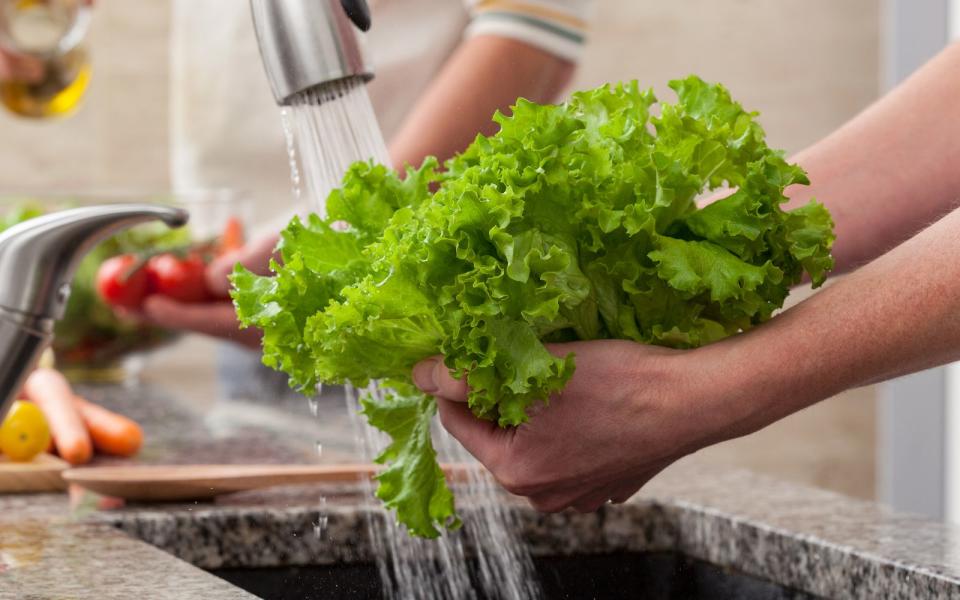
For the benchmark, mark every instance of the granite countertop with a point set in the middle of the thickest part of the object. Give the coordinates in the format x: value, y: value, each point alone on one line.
x: 815, y: 541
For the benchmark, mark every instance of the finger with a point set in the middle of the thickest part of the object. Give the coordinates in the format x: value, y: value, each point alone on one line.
x: 26, y: 69
x: 255, y: 256
x: 623, y: 495
x: 550, y: 503
x: 433, y: 377
x: 481, y: 438
x: 212, y: 318
x: 592, y: 500
x: 589, y: 505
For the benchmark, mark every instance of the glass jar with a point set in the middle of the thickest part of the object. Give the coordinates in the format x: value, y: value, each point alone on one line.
x: 43, y: 40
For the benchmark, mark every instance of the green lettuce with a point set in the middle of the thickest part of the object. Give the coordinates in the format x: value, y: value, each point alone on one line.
x: 573, y: 222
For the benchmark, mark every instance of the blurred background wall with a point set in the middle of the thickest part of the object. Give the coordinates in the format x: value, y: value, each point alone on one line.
x: 806, y: 65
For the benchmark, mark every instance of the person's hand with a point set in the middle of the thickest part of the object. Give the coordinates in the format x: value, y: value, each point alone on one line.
x: 628, y: 412
x: 20, y: 68
x: 217, y: 317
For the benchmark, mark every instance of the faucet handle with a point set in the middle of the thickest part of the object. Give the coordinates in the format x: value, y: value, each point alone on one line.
x: 359, y: 13
x: 39, y: 257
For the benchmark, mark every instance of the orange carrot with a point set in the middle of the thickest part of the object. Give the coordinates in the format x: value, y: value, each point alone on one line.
x: 232, y: 236
x: 50, y: 391
x: 111, y: 433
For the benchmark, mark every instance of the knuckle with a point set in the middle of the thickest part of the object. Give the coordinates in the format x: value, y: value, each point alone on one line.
x: 548, y: 504
x: 588, y: 507
x: 452, y: 389
x: 515, y: 480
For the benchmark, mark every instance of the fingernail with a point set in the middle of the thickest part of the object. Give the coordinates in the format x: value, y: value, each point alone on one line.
x: 424, y: 375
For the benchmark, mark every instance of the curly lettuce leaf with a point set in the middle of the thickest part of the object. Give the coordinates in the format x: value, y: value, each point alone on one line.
x: 413, y: 483
x: 574, y: 222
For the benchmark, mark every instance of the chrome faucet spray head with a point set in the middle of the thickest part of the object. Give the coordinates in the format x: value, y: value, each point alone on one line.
x: 309, y: 43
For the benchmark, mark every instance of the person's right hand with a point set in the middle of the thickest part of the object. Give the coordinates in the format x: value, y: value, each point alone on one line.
x: 19, y: 68
x: 217, y: 317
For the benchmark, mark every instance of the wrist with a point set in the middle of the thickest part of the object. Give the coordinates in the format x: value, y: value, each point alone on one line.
x: 762, y: 376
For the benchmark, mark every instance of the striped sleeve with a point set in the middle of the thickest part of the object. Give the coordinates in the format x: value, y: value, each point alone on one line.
x: 556, y: 26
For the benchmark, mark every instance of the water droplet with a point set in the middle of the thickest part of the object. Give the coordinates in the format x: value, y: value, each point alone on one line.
x: 320, y: 527
x: 314, y: 403
x: 319, y: 448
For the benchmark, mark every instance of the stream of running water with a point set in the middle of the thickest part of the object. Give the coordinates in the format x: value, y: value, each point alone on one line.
x: 328, y: 129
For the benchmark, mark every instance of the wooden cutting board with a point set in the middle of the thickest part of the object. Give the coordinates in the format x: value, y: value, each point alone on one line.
x: 42, y: 474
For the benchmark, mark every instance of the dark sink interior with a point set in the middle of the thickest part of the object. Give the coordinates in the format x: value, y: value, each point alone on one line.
x: 652, y: 576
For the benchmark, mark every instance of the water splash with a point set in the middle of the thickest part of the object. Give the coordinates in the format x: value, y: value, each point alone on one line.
x: 484, y: 559
x: 320, y: 525
x: 327, y: 129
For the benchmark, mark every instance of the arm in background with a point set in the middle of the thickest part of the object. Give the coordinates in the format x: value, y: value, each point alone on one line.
x: 485, y: 74
x: 510, y: 50
x: 893, y: 169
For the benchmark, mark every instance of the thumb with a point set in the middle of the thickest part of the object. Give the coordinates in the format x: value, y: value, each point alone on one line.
x: 433, y: 377
x: 255, y: 256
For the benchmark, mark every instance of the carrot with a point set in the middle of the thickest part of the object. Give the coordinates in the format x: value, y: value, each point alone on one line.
x: 232, y: 237
x: 111, y: 433
x: 50, y: 391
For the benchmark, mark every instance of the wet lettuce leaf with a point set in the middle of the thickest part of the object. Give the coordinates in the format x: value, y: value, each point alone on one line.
x: 574, y: 221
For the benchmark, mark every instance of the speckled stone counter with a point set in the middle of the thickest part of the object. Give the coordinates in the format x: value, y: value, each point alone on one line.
x: 810, y: 540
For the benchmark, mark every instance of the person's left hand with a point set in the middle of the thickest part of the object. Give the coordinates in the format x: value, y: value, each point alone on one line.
x: 216, y: 318
x: 628, y: 412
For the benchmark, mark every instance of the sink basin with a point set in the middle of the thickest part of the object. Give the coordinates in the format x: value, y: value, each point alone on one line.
x: 650, y: 575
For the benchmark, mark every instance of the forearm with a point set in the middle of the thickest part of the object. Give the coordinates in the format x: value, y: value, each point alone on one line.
x: 896, y: 315
x: 894, y: 168
x: 485, y: 74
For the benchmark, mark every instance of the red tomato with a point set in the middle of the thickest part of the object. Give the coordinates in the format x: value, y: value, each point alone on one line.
x: 121, y: 281
x: 182, y: 279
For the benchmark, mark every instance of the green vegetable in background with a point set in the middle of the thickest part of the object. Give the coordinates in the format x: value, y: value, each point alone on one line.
x: 573, y: 222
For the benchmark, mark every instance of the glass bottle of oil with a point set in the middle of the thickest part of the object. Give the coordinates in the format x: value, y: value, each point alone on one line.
x: 46, y: 36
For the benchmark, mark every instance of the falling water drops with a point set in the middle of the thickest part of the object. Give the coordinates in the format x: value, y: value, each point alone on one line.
x: 320, y: 525
x: 291, y: 153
